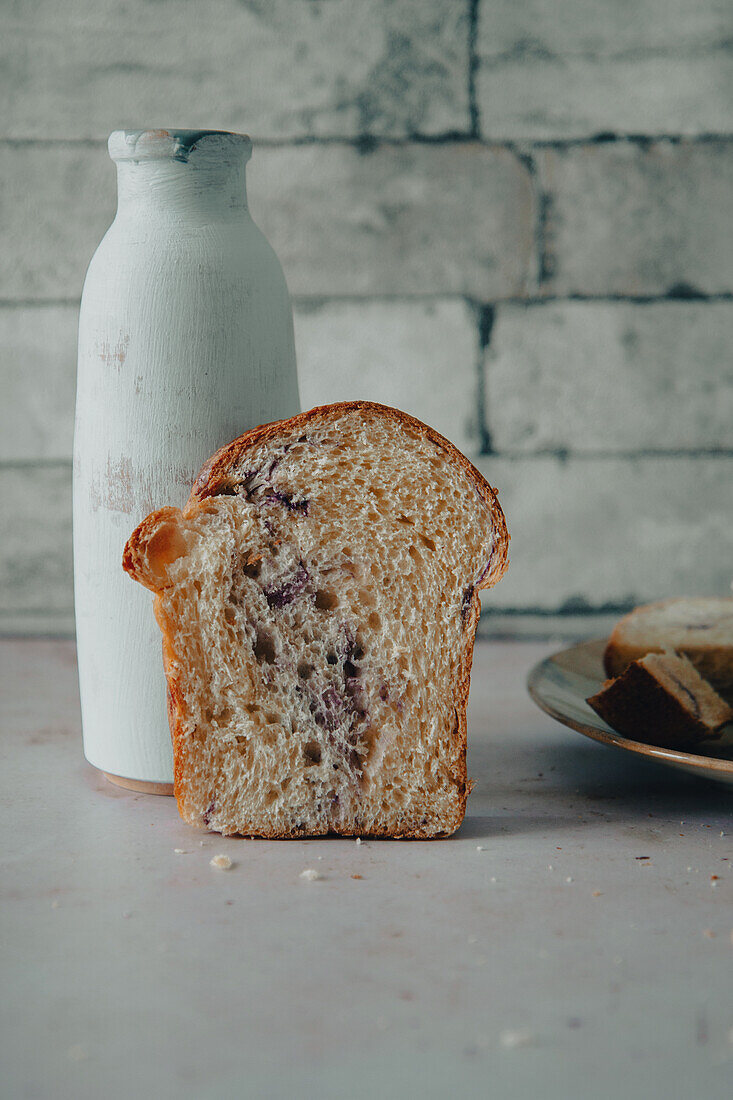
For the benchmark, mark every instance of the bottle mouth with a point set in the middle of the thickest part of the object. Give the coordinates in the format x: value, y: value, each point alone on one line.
x: 135, y: 145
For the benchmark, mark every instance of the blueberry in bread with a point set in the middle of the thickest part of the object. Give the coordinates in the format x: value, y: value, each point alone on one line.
x: 661, y: 699
x: 318, y: 597
x: 701, y: 628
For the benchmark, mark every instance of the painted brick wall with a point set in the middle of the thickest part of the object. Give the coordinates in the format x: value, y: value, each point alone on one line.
x: 512, y: 219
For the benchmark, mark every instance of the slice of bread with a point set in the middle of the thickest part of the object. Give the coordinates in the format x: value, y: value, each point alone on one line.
x: 319, y: 597
x: 701, y: 629
x: 661, y: 699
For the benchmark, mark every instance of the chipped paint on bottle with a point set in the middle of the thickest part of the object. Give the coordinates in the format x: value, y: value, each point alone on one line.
x: 185, y: 341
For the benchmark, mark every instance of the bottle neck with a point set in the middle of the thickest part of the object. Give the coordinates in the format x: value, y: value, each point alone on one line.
x: 170, y: 189
x: 180, y: 176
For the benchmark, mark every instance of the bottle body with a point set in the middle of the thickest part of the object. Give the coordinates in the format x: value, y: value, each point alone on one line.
x: 185, y: 342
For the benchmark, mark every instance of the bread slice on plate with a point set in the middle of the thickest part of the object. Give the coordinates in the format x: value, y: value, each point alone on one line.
x: 661, y: 699
x: 700, y: 628
x: 318, y: 597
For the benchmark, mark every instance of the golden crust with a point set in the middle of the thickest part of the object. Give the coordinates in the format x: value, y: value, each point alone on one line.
x: 214, y: 476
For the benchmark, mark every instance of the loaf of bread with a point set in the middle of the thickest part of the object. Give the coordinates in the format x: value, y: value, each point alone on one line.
x: 701, y: 629
x: 661, y: 699
x: 318, y: 597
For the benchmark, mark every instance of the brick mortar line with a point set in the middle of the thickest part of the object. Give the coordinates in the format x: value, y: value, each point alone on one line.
x: 33, y: 613
x: 438, y: 296
x: 368, y: 142
x: 485, y: 318
x: 569, y: 611
x: 474, y: 111
x: 36, y: 463
x: 563, y: 455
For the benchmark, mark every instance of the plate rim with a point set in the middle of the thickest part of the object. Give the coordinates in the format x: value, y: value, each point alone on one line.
x: 609, y: 736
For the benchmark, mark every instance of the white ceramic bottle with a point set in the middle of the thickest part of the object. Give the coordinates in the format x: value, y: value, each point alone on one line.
x: 185, y: 341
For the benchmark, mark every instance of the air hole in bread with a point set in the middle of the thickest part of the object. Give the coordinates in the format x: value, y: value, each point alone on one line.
x: 264, y: 648
x: 326, y: 601
x: 312, y: 753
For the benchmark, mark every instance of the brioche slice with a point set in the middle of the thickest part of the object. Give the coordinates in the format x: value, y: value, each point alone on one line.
x: 318, y: 598
x: 662, y: 699
x: 701, y: 629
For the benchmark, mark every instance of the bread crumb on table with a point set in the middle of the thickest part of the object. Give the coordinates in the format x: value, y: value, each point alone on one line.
x: 222, y: 862
x: 179, y: 851
x: 358, y: 839
x: 310, y: 874
x: 357, y: 876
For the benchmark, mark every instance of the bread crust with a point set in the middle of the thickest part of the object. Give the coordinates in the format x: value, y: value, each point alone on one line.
x: 214, y: 477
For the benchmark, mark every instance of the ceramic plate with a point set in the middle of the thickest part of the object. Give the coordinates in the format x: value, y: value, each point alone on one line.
x: 560, y: 684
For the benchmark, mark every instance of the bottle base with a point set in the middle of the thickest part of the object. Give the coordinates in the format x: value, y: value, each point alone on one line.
x: 142, y: 786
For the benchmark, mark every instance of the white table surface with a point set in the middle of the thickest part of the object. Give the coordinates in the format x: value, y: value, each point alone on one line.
x: 532, y: 955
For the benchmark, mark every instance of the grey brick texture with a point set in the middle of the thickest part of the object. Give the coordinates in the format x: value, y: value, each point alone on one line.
x: 277, y: 69
x: 638, y: 219
x: 35, y: 566
x: 577, y: 68
x: 618, y: 377
x: 589, y: 534
x: 514, y: 220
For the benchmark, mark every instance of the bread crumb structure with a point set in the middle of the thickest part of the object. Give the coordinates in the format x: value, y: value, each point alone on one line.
x: 310, y: 875
x: 319, y: 597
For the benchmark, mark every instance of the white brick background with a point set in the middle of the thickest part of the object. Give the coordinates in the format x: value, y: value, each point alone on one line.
x: 513, y: 219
